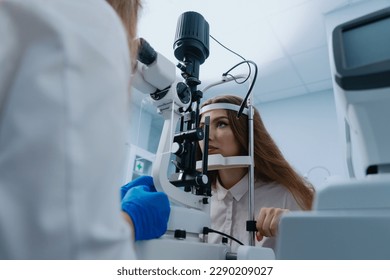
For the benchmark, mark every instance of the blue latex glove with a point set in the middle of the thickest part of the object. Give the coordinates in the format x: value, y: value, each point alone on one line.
x: 140, y: 181
x: 148, y: 209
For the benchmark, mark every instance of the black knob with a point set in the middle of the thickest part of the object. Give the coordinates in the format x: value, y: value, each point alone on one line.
x: 180, y: 234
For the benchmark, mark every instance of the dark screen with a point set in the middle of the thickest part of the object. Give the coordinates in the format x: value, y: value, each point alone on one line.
x: 367, y: 44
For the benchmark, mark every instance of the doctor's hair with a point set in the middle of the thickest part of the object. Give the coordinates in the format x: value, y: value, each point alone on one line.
x: 270, y: 164
x: 128, y: 11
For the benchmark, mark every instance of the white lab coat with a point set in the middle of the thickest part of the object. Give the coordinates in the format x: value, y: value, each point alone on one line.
x: 64, y: 73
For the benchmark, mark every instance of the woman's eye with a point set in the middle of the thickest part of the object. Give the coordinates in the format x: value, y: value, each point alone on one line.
x: 221, y: 124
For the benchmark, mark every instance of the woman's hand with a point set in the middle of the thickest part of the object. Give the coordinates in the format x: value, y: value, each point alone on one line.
x: 267, y: 222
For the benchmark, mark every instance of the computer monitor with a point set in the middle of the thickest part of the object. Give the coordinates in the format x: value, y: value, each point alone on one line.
x: 361, y: 50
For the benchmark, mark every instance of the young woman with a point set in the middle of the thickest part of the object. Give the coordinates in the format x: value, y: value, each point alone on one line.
x: 278, y: 188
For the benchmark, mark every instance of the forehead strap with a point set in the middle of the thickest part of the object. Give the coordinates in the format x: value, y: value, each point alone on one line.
x: 223, y: 106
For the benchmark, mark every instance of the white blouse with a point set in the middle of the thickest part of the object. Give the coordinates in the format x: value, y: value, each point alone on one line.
x: 229, y: 209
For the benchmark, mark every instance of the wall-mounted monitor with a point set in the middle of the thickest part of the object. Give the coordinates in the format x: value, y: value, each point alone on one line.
x: 362, y: 52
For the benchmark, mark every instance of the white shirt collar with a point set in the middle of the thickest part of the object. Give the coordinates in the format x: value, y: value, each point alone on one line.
x: 237, y: 191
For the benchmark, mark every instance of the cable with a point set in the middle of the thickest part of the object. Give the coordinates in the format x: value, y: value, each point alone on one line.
x: 242, y: 106
x: 237, y: 54
x: 206, y: 230
x: 248, y: 62
x: 222, y: 45
x: 236, y: 80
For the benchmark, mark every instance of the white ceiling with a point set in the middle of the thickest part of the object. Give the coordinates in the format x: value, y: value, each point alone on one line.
x: 286, y: 39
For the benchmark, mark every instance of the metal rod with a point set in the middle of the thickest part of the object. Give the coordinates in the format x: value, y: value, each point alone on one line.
x: 251, y: 204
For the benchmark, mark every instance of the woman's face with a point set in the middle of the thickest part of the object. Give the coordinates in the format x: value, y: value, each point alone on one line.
x: 221, y: 138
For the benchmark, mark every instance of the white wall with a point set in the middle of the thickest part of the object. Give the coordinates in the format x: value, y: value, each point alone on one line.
x: 305, y: 129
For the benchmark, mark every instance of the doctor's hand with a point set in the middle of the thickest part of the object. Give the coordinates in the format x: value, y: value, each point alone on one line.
x: 140, y: 181
x: 267, y: 222
x: 148, y: 209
